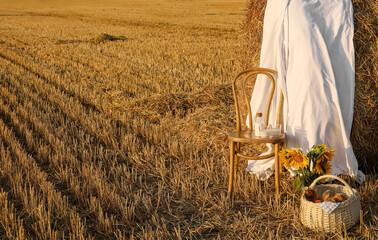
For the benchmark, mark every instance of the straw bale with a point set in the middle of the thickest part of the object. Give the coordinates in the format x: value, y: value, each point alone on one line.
x: 104, y: 37
x: 364, y: 135
x: 180, y: 104
x: 204, y: 118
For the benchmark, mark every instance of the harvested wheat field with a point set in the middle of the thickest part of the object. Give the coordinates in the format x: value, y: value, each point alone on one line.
x: 114, y: 118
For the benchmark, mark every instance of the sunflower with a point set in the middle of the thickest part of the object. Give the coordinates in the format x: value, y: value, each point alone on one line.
x: 328, y: 154
x: 285, y: 160
x: 327, y: 166
x: 322, y: 164
x: 318, y: 168
x: 322, y: 147
x: 297, y: 159
x: 322, y: 167
x: 293, y: 158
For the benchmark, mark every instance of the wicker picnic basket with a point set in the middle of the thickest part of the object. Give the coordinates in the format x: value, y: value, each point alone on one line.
x: 345, y: 215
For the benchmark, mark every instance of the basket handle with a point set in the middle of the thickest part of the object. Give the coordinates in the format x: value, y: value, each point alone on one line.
x: 331, y: 176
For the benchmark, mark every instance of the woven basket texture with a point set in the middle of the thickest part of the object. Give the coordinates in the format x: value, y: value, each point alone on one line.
x: 345, y: 215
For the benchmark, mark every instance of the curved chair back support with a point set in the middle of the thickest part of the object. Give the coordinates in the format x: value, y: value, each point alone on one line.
x: 248, y: 74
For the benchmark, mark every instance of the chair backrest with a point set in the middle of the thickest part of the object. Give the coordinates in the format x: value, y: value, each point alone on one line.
x: 250, y: 74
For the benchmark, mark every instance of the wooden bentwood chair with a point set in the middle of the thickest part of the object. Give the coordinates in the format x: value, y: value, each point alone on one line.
x: 248, y: 135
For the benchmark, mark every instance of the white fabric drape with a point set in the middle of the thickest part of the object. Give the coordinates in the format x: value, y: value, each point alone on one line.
x: 310, y: 44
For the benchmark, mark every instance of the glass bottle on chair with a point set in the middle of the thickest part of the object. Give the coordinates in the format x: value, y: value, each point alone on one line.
x: 259, y: 124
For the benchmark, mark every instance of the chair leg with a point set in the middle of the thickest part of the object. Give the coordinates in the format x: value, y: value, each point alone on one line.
x: 237, y: 149
x: 232, y: 169
x: 280, y: 147
x: 277, y: 168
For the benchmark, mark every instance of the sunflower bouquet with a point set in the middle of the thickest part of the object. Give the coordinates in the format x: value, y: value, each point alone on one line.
x: 308, y: 167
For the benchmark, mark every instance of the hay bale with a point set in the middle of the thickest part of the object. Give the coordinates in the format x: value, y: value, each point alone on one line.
x: 364, y: 131
x: 180, y: 104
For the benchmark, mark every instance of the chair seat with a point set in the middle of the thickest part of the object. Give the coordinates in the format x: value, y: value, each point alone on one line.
x: 248, y: 136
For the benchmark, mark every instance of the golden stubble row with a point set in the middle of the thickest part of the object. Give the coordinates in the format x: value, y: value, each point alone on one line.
x: 42, y: 206
x: 42, y: 92
x: 82, y: 177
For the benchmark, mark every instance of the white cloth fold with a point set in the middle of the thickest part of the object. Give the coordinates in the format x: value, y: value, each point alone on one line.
x: 310, y: 44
